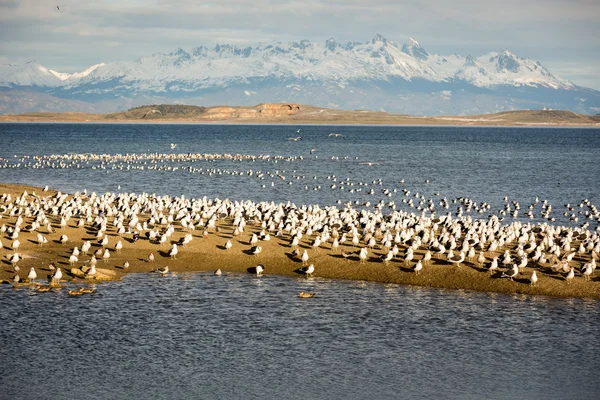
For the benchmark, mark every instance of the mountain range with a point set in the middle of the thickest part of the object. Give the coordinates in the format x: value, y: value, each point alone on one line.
x: 377, y: 75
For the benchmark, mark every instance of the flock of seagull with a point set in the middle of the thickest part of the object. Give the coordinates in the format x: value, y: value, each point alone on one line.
x: 381, y: 235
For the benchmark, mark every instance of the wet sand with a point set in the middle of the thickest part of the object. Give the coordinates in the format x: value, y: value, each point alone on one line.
x: 208, y: 253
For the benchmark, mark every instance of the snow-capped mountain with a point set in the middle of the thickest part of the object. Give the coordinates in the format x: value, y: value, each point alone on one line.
x: 378, y: 74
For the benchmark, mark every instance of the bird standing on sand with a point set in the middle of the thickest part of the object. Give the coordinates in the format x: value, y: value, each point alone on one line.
x: 388, y: 257
x: 494, y: 265
x: 570, y: 275
x: 362, y: 256
x: 308, y: 271
x: 218, y: 272
x: 418, y: 267
x: 106, y: 255
x: 587, y: 271
x: 304, y: 257
x: 174, y: 251
x: 457, y: 259
x: 32, y: 275
x: 514, y: 272
x: 427, y: 257
x: 533, y: 279
x: 150, y: 257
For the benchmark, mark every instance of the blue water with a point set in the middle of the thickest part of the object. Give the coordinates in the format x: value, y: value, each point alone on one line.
x: 483, y: 164
x: 238, y: 336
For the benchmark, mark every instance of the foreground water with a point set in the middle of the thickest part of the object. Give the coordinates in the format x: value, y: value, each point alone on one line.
x: 239, y: 336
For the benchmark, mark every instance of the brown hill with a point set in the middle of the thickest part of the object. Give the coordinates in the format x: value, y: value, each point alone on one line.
x: 304, y: 114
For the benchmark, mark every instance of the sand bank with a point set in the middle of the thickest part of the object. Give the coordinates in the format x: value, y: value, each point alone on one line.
x: 207, y: 252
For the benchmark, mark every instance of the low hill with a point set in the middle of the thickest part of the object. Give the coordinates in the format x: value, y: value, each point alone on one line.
x: 302, y: 114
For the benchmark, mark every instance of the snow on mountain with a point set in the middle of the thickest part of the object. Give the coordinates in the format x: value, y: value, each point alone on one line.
x: 374, y: 74
x: 34, y: 74
x: 505, y: 68
x: 201, y: 67
x: 29, y: 74
x: 63, y: 76
x: 377, y: 59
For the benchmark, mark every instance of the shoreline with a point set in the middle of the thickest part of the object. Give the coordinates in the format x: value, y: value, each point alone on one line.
x: 296, y: 114
x: 206, y: 252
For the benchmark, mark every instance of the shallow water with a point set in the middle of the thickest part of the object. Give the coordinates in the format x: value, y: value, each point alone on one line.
x: 239, y: 336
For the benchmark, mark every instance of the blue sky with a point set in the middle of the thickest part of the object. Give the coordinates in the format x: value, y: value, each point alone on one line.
x: 563, y: 35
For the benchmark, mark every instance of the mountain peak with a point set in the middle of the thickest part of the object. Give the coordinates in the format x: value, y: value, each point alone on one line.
x: 506, y: 60
x: 331, y: 44
x: 413, y: 48
x: 378, y: 38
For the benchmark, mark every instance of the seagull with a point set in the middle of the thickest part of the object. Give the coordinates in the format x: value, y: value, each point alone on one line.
x: 388, y: 257
x: 173, y: 145
x: 295, y: 139
x: 162, y: 270
x: 370, y: 163
x: 427, y: 257
x: 92, y: 271
x: 587, y: 271
x: 418, y: 267
x: 32, y: 275
x: 308, y: 270
x: 362, y: 256
x: 56, y: 276
x: 256, y: 250
x: 150, y: 258
x: 493, y: 265
x: 346, y: 255
x: 533, y: 279
x: 259, y: 269
x: 304, y: 257
x: 228, y: 245
x: 570, y: 275
x: 335, y: 135
x: 514, y: 272
x: 218, y: 272
x: 173, y: 251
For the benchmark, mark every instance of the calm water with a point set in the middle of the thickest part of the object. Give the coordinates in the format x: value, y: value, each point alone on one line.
x: 238, y: 336
x: 484, y: 164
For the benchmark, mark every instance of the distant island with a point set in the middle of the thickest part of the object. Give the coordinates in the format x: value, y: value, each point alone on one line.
x: 290, y: 113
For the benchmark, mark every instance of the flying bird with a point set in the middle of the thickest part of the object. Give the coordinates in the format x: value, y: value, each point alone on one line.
x: 295, y: 139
